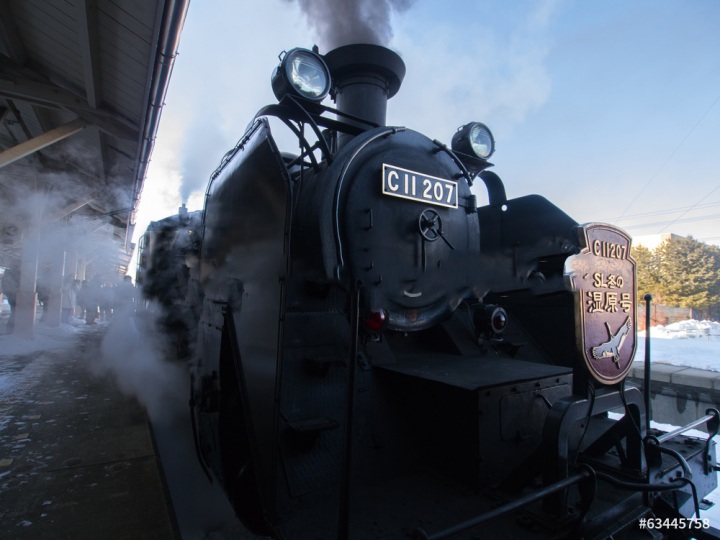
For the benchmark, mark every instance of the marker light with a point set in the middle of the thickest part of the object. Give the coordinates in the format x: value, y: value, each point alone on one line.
x: 376, y: 320
x: 474, y: 139
x: 301, y: 73
x: 490, y: 322
x: 498, y: 320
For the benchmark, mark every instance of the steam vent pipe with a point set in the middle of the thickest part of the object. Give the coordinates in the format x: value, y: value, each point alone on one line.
x: 364, y: 78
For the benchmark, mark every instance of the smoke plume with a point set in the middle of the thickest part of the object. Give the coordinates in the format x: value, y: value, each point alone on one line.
x: 342, y: 22
x: 203, y: 148
x: 133, y: 353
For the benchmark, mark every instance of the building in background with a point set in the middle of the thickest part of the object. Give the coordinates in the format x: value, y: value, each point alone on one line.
x: 651, y: 241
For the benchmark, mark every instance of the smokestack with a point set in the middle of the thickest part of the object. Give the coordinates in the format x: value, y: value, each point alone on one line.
x: 364, y: 78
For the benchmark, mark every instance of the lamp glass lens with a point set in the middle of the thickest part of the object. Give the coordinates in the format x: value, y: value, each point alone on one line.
x: 481, y: 141
x: 308, y: 76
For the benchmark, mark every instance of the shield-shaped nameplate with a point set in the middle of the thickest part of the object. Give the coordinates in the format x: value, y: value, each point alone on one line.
x: 603, y: 278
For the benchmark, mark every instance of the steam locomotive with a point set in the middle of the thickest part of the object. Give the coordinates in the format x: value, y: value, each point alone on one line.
x: 379, y: 356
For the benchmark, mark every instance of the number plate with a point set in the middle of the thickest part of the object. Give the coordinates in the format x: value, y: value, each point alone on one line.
x: 406, y: 184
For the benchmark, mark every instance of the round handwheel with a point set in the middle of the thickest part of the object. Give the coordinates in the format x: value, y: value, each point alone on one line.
x: 430, y: 224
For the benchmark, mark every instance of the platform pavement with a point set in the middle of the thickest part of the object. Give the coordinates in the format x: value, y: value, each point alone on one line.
x: 77, y: 459
x: 667, y: 373
x: 678, y: 395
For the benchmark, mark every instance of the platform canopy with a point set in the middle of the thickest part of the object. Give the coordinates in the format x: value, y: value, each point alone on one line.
x: 82, y: 84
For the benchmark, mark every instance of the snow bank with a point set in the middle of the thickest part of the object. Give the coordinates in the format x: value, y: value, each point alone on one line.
x: 687, y: 343
x: 690, y: 329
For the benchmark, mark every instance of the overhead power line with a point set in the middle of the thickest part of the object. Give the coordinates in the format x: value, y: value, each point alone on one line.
x: 691, y: 207
x: 664, y: 211
x: 665, y: 224
x: 670, y: 156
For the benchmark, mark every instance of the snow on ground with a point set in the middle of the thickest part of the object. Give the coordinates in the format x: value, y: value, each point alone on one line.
x: 688, y: 343
x: 45, y: 339
x: 13, y: 378
x: 130, y: 353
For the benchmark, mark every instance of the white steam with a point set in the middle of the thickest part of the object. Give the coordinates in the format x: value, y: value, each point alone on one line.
x: 203, y: 149
x: 131, y: 351
x: 342, y: 22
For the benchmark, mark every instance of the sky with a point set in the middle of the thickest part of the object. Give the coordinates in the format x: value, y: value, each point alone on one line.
x: 611, y: 110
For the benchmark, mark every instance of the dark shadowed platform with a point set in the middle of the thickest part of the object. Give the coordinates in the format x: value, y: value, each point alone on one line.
x: 77, y: 458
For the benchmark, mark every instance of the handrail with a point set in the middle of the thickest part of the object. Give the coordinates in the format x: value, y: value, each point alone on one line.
x: 420, y: 534
x: 712, y: 413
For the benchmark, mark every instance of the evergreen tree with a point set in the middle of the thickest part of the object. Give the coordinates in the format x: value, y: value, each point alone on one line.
x: 684, y: 273
x: 647, y: 271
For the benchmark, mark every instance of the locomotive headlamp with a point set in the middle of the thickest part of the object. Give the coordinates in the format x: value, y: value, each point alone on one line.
x: 301, y: 73
x: 474, y: 139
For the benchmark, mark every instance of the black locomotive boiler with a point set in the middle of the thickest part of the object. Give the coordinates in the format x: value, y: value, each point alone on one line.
x: 378, y: 356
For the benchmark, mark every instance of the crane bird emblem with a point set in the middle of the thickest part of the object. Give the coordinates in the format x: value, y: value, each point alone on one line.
x: 611, y: 347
